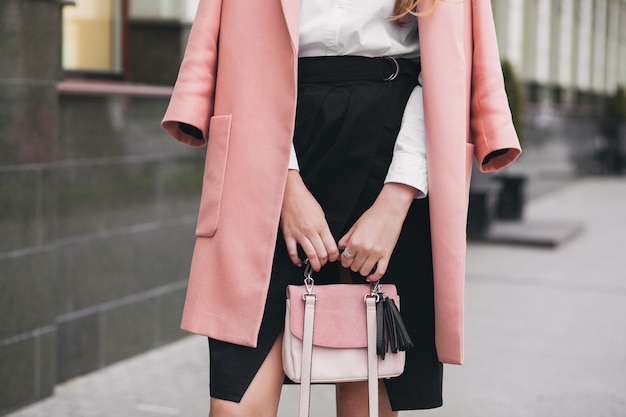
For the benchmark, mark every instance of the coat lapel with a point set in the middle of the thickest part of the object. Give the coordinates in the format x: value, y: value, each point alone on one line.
x: 445, y: 65
x: 291, y: 11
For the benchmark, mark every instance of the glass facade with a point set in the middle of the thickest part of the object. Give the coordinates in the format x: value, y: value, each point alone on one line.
x: 93, y: 36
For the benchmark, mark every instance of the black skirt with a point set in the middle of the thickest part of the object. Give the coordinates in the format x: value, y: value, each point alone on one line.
x: 347, y: 119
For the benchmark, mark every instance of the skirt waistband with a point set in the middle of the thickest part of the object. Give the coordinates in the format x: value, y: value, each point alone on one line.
x: 355, y: 68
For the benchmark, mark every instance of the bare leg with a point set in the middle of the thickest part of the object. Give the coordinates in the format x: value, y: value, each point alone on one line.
x: 262, y: 396
x: 352, y: 400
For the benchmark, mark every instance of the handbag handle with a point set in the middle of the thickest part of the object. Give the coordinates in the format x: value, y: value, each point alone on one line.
x: 309, y: 281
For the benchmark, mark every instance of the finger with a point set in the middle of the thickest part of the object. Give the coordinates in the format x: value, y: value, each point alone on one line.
x: 357, y: 263
x: 343, y: 242
x: 292, y: 250
x: 320, y: 250
x: 381, y: 268
x: 311, y: 254
x: 347, y: 258
x: 368, y: 266
x: 331, y: 247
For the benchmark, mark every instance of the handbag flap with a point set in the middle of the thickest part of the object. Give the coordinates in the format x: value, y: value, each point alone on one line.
x: 340, y: 320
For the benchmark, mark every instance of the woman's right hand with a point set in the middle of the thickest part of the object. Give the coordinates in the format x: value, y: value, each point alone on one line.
x: 303, y: 223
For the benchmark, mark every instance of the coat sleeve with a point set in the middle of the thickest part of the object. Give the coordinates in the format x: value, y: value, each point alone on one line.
x: 193, y: 98
x: 491, y: 124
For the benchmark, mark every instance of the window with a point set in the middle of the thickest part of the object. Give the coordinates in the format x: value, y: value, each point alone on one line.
x: 94, y: 34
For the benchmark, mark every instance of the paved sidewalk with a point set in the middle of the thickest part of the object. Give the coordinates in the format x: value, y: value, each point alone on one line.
x: 545, y: 334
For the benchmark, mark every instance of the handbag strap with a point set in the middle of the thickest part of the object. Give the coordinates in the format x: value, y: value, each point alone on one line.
x: 307, y: 354
x: 372, y: 358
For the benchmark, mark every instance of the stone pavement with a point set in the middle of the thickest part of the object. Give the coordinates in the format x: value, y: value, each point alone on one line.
x: 545, y: 333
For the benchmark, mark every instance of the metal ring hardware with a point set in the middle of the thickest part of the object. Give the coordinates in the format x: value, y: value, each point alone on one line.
x: 374, y: 296
x: 308, y: 280
x: 397, y: 71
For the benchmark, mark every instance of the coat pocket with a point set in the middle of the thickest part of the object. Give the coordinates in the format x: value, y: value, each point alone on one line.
x: 214, y: 171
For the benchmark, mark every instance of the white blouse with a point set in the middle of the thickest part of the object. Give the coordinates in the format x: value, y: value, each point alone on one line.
x: 363, y: 27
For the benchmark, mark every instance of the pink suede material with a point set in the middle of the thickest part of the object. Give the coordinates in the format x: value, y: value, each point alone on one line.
x: 339, y: 313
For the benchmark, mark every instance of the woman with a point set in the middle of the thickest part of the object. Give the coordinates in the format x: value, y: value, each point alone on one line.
x: 326, y: 174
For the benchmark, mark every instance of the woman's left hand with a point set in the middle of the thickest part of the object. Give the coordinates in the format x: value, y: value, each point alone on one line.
x: 371, y: 240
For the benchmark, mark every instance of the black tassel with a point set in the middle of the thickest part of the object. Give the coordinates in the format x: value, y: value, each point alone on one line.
x: 381, y: 345
x: 394, y: 334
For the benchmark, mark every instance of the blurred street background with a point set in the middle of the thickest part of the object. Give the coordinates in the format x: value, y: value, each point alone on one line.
x: 98, y: 208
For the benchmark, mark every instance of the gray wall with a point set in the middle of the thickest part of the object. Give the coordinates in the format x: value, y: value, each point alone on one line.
x: 97, y: 211
x: 155, y: 44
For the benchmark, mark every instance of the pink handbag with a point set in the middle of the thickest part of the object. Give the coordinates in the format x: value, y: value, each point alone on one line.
x: 331, y: 336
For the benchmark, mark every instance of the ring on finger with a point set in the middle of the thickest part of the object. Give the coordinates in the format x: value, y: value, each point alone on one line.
x: 348, y: 255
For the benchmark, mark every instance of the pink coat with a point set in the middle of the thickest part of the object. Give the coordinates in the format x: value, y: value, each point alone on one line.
x: 237, y: 84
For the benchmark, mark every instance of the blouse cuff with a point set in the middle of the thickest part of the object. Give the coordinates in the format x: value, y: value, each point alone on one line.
x: 408, y: 164
x: 404, y: 170
x: 293, y: 159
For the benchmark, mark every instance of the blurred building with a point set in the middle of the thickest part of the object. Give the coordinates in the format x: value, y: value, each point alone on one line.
x: 564, y: 47
x: 570, y: 55
x: 98, y: 205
